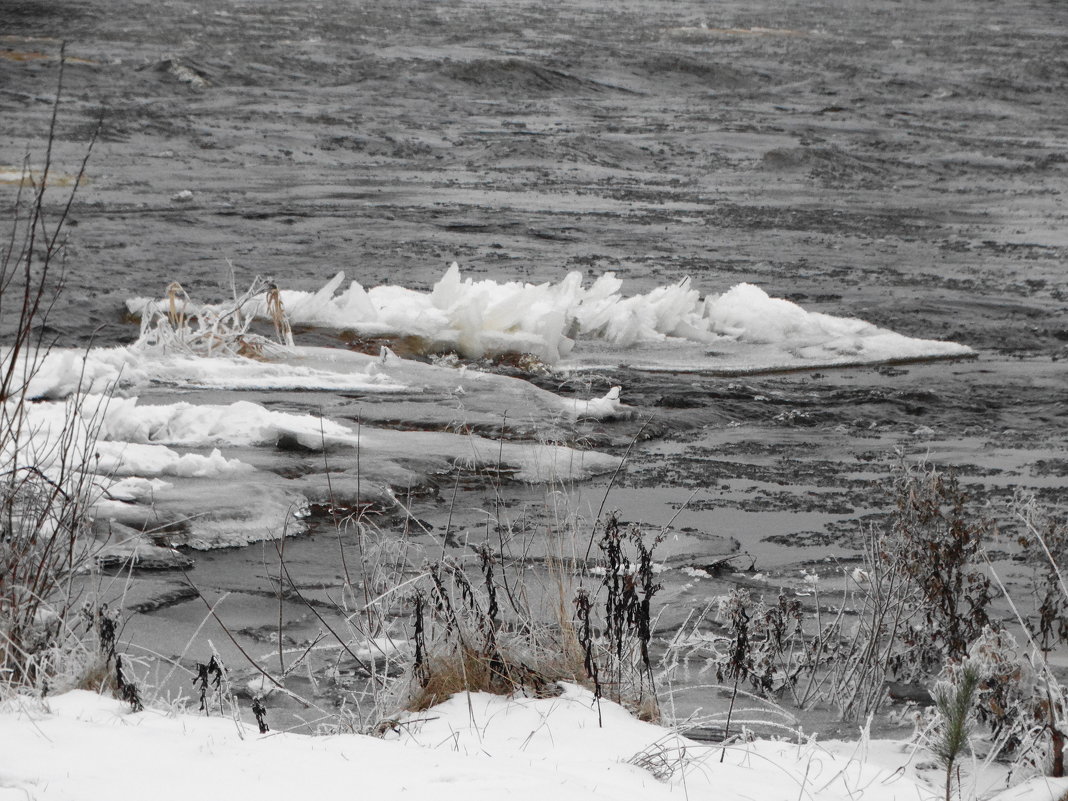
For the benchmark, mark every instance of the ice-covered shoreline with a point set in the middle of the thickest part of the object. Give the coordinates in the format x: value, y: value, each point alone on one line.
x: 171, y: 468
x: 213, y: 473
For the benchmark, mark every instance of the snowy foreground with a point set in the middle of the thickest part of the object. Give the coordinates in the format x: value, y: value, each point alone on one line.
x: 83, y: 746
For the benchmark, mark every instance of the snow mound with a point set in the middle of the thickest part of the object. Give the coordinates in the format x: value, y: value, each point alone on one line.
x: 472, y: 747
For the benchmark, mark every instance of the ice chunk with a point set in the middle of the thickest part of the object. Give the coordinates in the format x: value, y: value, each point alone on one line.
x: 487, y: 317
x: 746, y: 312
x: 204, y: 497
x: 206, y: 513
x: 132, y: 370
x: 604, y: 408
x: 136, y: 489
x: 129, y: 426
x: 127, y: 547
x: 134, y: 459
x: 240, y: 423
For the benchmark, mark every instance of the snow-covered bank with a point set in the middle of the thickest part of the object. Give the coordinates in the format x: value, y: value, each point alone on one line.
x: 83, y: 746
x: 477, y: 318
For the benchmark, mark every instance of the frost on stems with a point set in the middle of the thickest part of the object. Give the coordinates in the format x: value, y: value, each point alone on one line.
x: 209, y: 679
x: 420, y: 666
x: 464, y: 640
x: 224, y: 330
x: 937, y: 544
x: 260, y: 711
x: 1019, y: 700
x: 1044, y: 544
x: 127, y: 690
x: 583, y: 607
x: 486, y: 560
x: 762, y: 642
x: 629, y: 589
x: 45, y: 496
x: 457, y: 642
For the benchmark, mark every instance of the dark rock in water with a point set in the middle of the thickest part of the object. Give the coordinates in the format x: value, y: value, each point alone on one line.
x: 290, y: 443
x: 164, y: 600
x: 680, y: 401
x: 706, y: 734
x: 183, y: 72
x: 901, y: 692
x: 125, y: 547
x: 144, y: 557
x: 266, y: 633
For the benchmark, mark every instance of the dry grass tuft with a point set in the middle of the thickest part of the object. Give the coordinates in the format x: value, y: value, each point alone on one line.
x: 661, y: 759
x: 461, y: 643
x: 277, y: 312
x: 467, y: 670
x: 98, y: 677
x: 500, y: 629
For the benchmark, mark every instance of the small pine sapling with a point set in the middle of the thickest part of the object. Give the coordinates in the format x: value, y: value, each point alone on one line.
x: 954, y: 704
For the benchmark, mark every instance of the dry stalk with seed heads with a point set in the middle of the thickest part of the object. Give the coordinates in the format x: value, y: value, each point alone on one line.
x: 223, y: 330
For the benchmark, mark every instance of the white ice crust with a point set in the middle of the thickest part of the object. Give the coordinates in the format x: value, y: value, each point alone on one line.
x: 168, y: 467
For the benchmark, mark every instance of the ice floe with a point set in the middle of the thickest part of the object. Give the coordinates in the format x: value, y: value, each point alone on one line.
x: 133, y: 369
x: 476, y: 318
x: 64, y: 372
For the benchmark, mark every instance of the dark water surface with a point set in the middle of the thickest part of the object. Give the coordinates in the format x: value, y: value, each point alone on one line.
x: 903, y: 162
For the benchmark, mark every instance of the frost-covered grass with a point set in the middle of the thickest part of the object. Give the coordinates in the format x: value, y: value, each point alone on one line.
x: 46, y: 496
x: 927, y: 614
x: 570, y: 744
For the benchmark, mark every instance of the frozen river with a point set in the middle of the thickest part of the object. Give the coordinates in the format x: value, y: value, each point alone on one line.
x: 902, y: 163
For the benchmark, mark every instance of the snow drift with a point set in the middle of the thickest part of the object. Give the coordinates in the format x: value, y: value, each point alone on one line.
x: 472, y: 747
